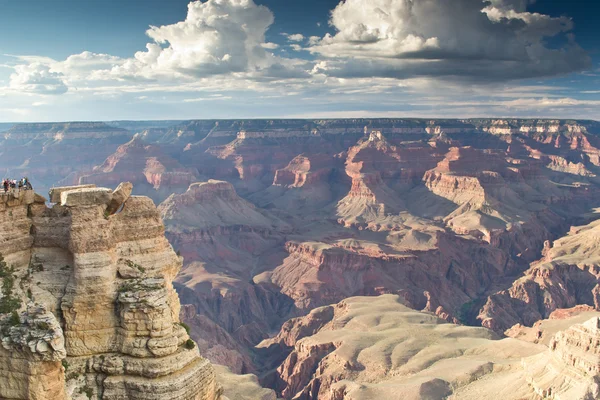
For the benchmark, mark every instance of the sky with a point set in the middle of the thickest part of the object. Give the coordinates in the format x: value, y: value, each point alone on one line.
x: 65, y: 60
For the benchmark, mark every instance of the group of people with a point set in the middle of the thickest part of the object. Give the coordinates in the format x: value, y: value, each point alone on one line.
x: 13, y: 185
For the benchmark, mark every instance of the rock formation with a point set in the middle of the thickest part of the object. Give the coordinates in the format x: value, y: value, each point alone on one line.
x: 88, y: 309
x: 153, y: 172
x: 225, y: 240
x: 572, y: 370
x: 566, y: 276
x: 242, y: 387
x: 372, y: 348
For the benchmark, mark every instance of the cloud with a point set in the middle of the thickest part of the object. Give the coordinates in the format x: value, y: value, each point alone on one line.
x: 81, y: 66
x: 295, y: 37
x: 270, y: 46
x: 37, y: 78
x: 387, y: 57
x: 314, y: 40
x: 210, y: 98
x: 440, y: 38
x: 217, y: 37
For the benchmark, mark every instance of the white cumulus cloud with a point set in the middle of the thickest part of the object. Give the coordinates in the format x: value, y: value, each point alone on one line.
x: 294, y: 37
x: 217, y: 37
x: 37, y: 78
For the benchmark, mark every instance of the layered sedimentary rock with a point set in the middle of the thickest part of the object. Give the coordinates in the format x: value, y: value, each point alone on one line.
x: 428, y: 268
x: 226, y: 240
x: 496, y: 196
x: 444, y: 213
x: 566, y: 276
x: 88, y: 307
x: 373, y: 348
x: 242, y: 387
x: 307, y: 183
x: 572, y: 370
x: 153, y: 172
x: 441, y: 213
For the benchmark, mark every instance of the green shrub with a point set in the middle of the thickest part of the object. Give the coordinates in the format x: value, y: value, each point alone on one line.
x: 8, y: 303
x: 14, y: 319
x: 42, y: 326
x: 185, y: 326
x: 89, y: 392
x: 72, y: 375
x: 131, y: 264
x: 189, y: 344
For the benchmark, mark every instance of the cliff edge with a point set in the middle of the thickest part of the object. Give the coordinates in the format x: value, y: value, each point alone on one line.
x: 88, y: 309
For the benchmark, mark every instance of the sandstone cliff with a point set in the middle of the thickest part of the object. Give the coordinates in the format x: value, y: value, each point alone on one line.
x: 444, y: 213
x: 88, y: 307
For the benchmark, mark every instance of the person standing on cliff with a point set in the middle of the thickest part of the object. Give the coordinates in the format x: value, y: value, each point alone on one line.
x: 5, y: 184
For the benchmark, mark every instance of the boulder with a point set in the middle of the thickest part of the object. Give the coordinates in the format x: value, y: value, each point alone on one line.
x: 39, y: 199
x: 120, y: 196
x: 56, y: 193
x: 86, y: 197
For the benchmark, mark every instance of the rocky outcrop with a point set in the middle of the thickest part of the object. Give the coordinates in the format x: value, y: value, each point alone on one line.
x: 432, y: 271
x: 88, y: 307
x: 443, y: 213
x: 568, y: 275
x: 242, y: 387
x: 572, y: 369
x: 306, y: 185
x: 378, y: 348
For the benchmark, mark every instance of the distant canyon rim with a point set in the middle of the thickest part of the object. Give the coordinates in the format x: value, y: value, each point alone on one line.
x: 332, y: 259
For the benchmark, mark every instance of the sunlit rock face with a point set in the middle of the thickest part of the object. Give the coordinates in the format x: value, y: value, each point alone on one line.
x: 444, y: 213
x: 376, y: 347
x: 565, y: 277
x: 91, y: 310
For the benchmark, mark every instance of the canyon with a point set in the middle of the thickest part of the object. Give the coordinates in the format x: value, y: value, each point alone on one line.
x: 480, y: 228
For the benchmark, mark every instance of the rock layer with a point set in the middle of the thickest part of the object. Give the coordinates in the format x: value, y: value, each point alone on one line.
x: 567, y: 276
x: 94, y: 313
x: 373, y: 348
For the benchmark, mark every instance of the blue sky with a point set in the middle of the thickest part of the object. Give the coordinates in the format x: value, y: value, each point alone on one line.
x: 92, y: 60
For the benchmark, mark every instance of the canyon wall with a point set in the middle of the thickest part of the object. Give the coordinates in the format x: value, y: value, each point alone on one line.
x: 88, y: 306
